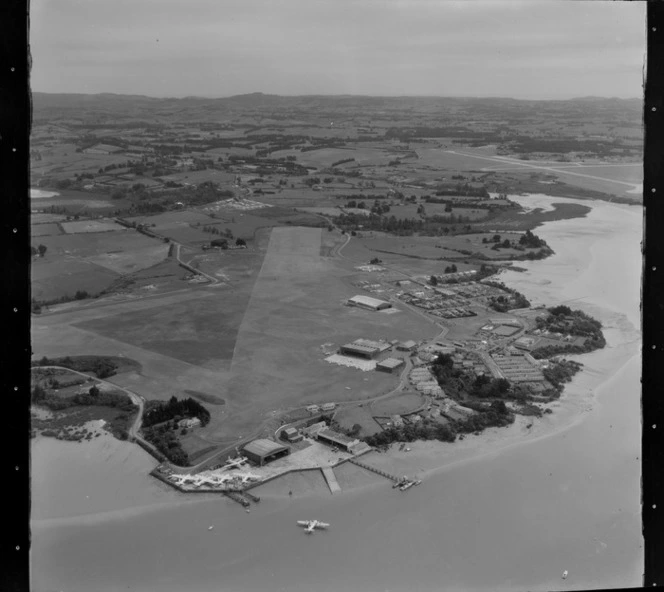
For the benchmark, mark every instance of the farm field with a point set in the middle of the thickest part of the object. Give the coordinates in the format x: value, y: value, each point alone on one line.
x: 37, y: 218
x: 185, y: 234
x: 196, y: 332
x: 325, y: 211
x: 195, y: 177
x: 382, y: 245
x: 172, y: 219
x: 45, y: 229
x: 89, y: 262
x: 91, y: 244
x: 400, y: 404
x: 51, y: 280
x: 347, y: 418
x: 80, y: 226
x: 165, y: 275
x: 240, y: 225
x: 63, y: 161
x: 79, y: 202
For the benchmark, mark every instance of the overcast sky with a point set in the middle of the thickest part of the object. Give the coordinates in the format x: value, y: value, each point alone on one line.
x: 217, y: 48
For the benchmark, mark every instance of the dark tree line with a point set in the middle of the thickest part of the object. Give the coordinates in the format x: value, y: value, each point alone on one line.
x: 94, y: 396
x: 423, y: 430
x: 429, y: 226
x: 495, y: 415
x: 100, y: 366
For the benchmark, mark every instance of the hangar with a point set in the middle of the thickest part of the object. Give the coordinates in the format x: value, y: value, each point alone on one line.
x: 389, y: 365
x: 368, y: 303
x: 264, y: 451
x: 364, y: 348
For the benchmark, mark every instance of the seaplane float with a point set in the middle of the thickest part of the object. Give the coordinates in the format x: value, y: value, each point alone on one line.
x: 311, y: 525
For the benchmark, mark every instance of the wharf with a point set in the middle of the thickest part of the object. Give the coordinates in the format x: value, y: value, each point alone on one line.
x: 237, y: 496
x: 375, y: 470
x: 331, y: 479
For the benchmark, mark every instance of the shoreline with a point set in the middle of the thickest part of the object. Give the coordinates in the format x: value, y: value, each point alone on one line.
x: 426, y: 458
x: 579, y: 397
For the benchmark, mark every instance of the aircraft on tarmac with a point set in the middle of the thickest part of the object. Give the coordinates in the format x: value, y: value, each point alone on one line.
x: 233, y: 463
x: 311, y: 525
x: 247, y: 477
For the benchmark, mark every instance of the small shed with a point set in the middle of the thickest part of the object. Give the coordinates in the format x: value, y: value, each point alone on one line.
x: 291, y: 435
x: 409, y: 345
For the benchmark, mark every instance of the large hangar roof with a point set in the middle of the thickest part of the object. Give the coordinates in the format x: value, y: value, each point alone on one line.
x: 368, y: 301
x: 264, y: 447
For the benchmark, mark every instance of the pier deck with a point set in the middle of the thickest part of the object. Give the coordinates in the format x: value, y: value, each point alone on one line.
x: 331, y: 479
x: 393, y: 478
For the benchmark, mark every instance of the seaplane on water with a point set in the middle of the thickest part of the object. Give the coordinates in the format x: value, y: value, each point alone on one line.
x: 311, y: 525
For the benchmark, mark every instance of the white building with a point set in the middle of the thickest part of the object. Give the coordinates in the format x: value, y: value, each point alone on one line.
x: 368, y: 303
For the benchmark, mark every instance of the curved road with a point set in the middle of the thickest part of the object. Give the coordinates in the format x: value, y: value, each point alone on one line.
x: 135, y: 399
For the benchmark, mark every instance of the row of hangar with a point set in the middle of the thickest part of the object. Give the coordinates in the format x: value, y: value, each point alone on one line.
x: 264, y: 450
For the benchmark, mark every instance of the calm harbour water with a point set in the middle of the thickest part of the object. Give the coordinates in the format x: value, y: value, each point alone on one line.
x: 515, y: 520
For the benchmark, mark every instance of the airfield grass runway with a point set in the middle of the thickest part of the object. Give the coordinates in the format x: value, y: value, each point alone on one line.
x: 257, y: 346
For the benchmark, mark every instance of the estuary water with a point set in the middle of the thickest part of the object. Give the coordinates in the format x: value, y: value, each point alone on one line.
x: 511, y: 519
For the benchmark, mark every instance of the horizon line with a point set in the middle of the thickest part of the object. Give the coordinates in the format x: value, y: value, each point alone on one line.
x: 341, y: 95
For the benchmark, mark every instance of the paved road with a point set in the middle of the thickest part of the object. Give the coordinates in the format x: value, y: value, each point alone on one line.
x: 212, y: 279
x: 540, y: 167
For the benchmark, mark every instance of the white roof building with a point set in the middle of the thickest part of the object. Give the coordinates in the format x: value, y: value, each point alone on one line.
x: 368, y: 302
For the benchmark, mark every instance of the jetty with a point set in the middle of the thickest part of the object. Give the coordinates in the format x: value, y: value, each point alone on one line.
x: 403, y: 483
x: 251, y: 496
x: 375, y: 470
x: 237, y: 496
x: 331, y: 479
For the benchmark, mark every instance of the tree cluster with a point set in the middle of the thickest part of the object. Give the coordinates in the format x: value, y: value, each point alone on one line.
x: 100, y: 366
x: 167, y: 411
x: 495, y: 415
x: 531, y: 241
x: 492, y: 388
x: 561, y: 372
x: 422, y: 430
x: 164, y: 439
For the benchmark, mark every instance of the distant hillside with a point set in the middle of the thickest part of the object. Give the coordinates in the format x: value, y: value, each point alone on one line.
x: 107, y: 107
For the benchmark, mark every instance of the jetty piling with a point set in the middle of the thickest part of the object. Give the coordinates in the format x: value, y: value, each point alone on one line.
x: 375, y: 470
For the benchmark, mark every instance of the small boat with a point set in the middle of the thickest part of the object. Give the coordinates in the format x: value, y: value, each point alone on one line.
x: 210, y: 527
x: 406, y: 485
x: 565, y: 575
